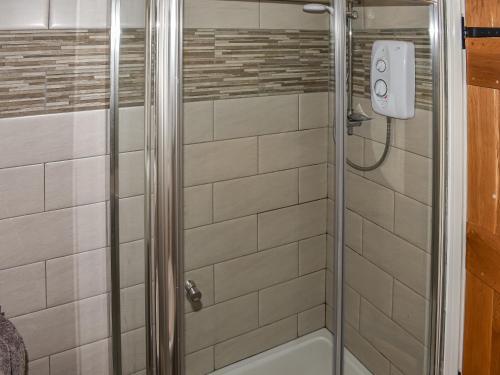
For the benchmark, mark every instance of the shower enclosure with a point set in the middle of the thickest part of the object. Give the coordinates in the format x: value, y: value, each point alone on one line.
x: 222, y: 196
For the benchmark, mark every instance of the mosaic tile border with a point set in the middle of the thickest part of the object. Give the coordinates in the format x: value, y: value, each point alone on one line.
x: 52, y: 71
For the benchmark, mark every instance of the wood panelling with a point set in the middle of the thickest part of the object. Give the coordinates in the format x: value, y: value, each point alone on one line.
x: 483, y: 62
x: 483, y: 147
x: 483, y: 256
x: 478, y: 327
x: 483, y: 13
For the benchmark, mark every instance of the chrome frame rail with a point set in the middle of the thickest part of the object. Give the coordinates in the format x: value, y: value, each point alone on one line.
x: 114, y: 118
x: 339, y: 36
x: 168, y: 257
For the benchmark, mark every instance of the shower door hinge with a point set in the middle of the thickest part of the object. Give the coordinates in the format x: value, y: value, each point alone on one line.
x: 478, y: 32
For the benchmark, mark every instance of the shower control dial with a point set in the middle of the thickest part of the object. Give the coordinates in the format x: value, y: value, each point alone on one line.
x: 380, y: 88
x: 381, y: 66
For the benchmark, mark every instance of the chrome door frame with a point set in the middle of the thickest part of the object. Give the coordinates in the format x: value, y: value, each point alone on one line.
x: 340, y: 133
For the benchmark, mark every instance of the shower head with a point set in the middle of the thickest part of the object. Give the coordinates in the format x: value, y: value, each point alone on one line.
x: 317, y: 8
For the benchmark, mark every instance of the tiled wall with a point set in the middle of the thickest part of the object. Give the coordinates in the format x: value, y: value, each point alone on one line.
x: 388, y: 235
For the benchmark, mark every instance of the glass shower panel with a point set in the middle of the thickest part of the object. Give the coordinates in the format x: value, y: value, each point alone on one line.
x: 388, y: 245
x: 256, y: 210
x: 130, y: 174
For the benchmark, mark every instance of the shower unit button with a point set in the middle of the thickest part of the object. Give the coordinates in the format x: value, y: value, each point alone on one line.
x: 393, y: 78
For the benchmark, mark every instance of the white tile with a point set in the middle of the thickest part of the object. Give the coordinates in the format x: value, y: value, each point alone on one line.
x: 132, y: 13
x: 405, y: 262
x: 221, y: 14
x: 131, y: 174
x: 131, y: 219
x: 415, y: 134
x: 76, y: 182
x: 198, y: 206
x: 255, y: 342
x: 77, y: 276
x: 413, y: 222
x: 198, y: 122
x: 132, y: 302
x: 79, y: 14
x: 64, y: 327
x: 21, y: 191
x: 22, y: 289
x: 313, y: 110
x: 90, y: 359
x: 218, y: 242
x: 131, y: 129
x: 39, y: 367
x: 132, y: 263
x: 256, y: 271
x: 222, y: 160
x: 291, y: 297
x: 24, y: 14
x: 201, y: 362
x: 246, y: 117
x: 290, y: 16
x: 220, y: 322
x: 45, y: 138
x: 134, y: 351
x: 250, y: 195
x: 411, y: 311
x: 292, y: 149
x: 312, y: 182
x: 38, y: 237
x: 394, y: 17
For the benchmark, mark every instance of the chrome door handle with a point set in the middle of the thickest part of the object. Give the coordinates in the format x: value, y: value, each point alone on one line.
x: 192, y: 292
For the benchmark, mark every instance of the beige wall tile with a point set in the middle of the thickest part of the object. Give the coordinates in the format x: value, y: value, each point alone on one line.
x: 256, y: 271
x: 131, y: 263
x: 90, y: 359
x: 313, y: 110
x: 312, y: 182
x: 37, y: 237
x: 352, y: 306
x: 131, y: 218
x: 64, y: 327
x: 255, y: 341
x: 79, y: 14
x: 395, y: 371
x: 221, y: 322
x: 290, y: 16
x: 221, y: 14
x: 415, y: 134
x: 355, y: 151
x: 22, y: 289
x: 76, y: 182
x: 204, y: 279
x: 291, y: 224
x: 246, y: 117
x: 198, y: 206
x: 250, y: 195
x: 291, y: 150
x: 396, y: 17
x: 77, y: 276
x: 38, y: 139
x: 330, y: 247
x: 39, y: 367
x: 291, y: 297
x: 24, y: 14
x: 399, y: 258
x: 405, y: 172
x: 133, y: 351
x: 132, y: 13
x: 368, y: 280
x: 329, y: 318
x: 131, y: 174
x: 411, y: 311
x: 354, y: 231
x: 21, y: 191
x: 201, y: 362
x: 365, y: 352
x: 311, y: 320
x: 131, y: 129
x: 216, y: 161
x: 374, y: 129
x: 218, y: 242
x: 312, y: 254
x: 370, y: 200
x: 198, y: 122
x: 382, y: 333
x: 330, y: 288
x: 132, y: 301
x: 330, y: 216
x: 413, y: 222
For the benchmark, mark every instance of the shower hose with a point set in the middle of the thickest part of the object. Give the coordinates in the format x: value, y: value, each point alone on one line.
x: 380, y: 161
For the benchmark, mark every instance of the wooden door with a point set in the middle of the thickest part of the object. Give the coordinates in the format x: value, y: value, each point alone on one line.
x: 482, y: 304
